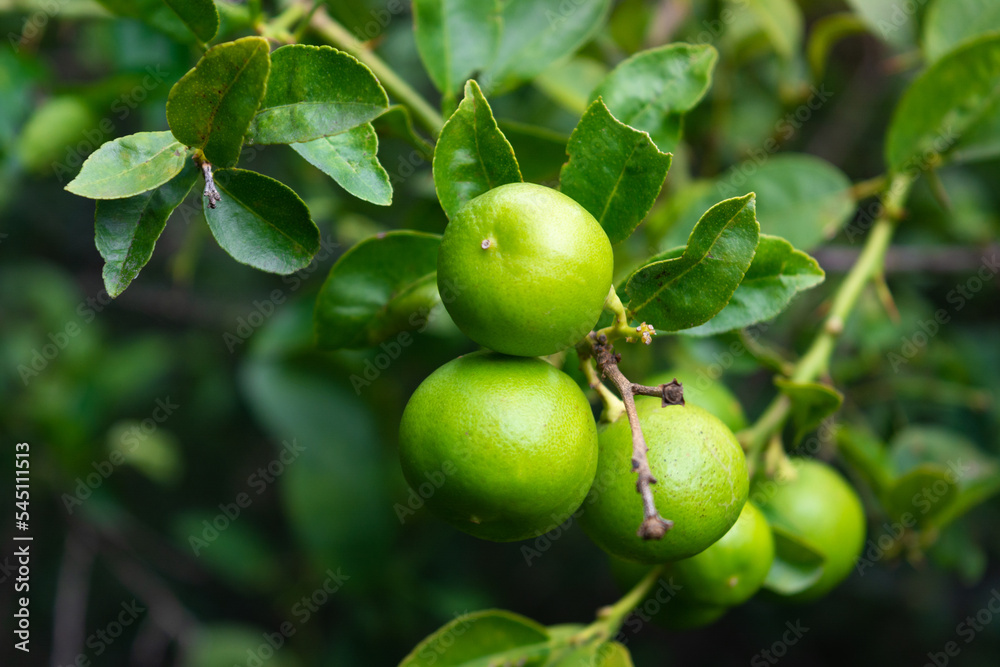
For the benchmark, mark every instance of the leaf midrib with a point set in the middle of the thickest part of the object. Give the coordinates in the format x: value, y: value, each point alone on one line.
x: 267, y: 222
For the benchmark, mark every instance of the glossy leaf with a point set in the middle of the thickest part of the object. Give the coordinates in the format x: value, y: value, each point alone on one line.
x: 777, y: 273
x: 313, y: 92
x: 200, y: 16
x: 614, y: 171
x: 126, y: 230
x: 481, y: 638
x: 455, y: 38
x: 812, y: 402
x: 946, y: 107
x: 688, y: 290
x: 653, y: 89
x: 537, y: 33
x: 212, y: 105
x: 261, y: 222
x: 782, y: 22
x: 382, y: 286
x: 351, y: 159
x: 472, y: 154
x: 797, y: 565
x: 948, y: 23
x: 129, y: 166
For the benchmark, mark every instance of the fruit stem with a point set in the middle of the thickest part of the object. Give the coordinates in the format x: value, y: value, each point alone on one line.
x: 340, y: 37
x: 620, y: 327
x: 613, y: 406
x: 653, y: 526
x: 815, y: 362
x: 610, y: 618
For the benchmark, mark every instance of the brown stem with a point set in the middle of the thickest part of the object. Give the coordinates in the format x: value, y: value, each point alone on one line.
x: 653, y: 526
x: 210, y: 190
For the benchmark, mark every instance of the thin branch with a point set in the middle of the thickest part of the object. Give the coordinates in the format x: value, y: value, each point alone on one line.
x: 653, y: 526
x: 211, y: 193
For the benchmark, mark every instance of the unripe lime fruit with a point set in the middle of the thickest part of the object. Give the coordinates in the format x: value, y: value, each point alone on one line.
x: 730, y: 571
x: 511, y: 442
x: 701, y: 484
x: 822, y: 509
x: 706, y: 393
x: 529, y: 269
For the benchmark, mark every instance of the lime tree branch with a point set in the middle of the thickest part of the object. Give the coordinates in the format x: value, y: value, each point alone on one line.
x: 815, y: 362
x: 653, y: 526
x: 340, y: 37
x: 610, y: 618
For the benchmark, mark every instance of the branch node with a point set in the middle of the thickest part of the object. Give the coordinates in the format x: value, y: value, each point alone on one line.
x: 211, y: 192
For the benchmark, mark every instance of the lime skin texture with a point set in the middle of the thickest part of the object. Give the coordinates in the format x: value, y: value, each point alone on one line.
x: 517, y: 435
x: 701, y: 484
x: 531, y: 269
x: 730, y: 571
x: 823, y: 510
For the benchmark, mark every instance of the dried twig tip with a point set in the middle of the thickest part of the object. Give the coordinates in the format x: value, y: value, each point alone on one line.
x: 654, y: 528
x: 673, y: 393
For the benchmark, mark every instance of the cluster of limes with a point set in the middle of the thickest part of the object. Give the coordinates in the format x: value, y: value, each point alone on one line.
x: 531, y: 270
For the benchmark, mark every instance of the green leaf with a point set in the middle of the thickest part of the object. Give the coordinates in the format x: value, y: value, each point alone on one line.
x: 569, y: 84
x: 212, y: 105
x: 797, y: 565
x: 351, y: 159
x: 921, y: 493
x: 782, y: 22
x: 455, y: 38
x: 304, y: 407
x: 803, y: 199
x: 472, y: 155
x: 970, y: 494
x: 614, y: 171
x: 867, y: 454
x: 200, y: 16
x: 52, y: 132
x: 313, y: 92
x: 483, y: 638
x: 948, y: 23
x: 604, y: 654
x: 182, y: 20
x: 537, y: 33
x: 127, y: 229
x: 261, y: 222
x: 812, y: 402
x: 397, y: 121
x: 653, y: 89
x: 945, y: 108
x: 777, y: 273
x: 888, y: 20
x: 688, y: 290
x: 129, y: 166
x: 383, y: 285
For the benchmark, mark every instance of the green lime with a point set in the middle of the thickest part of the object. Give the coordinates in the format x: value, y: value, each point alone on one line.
x: 701, y: 390
x: 823, y: 510
x: 527, y: 268
x: 503, y: 448
x: 730, y: 571
x: 702, y: 483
